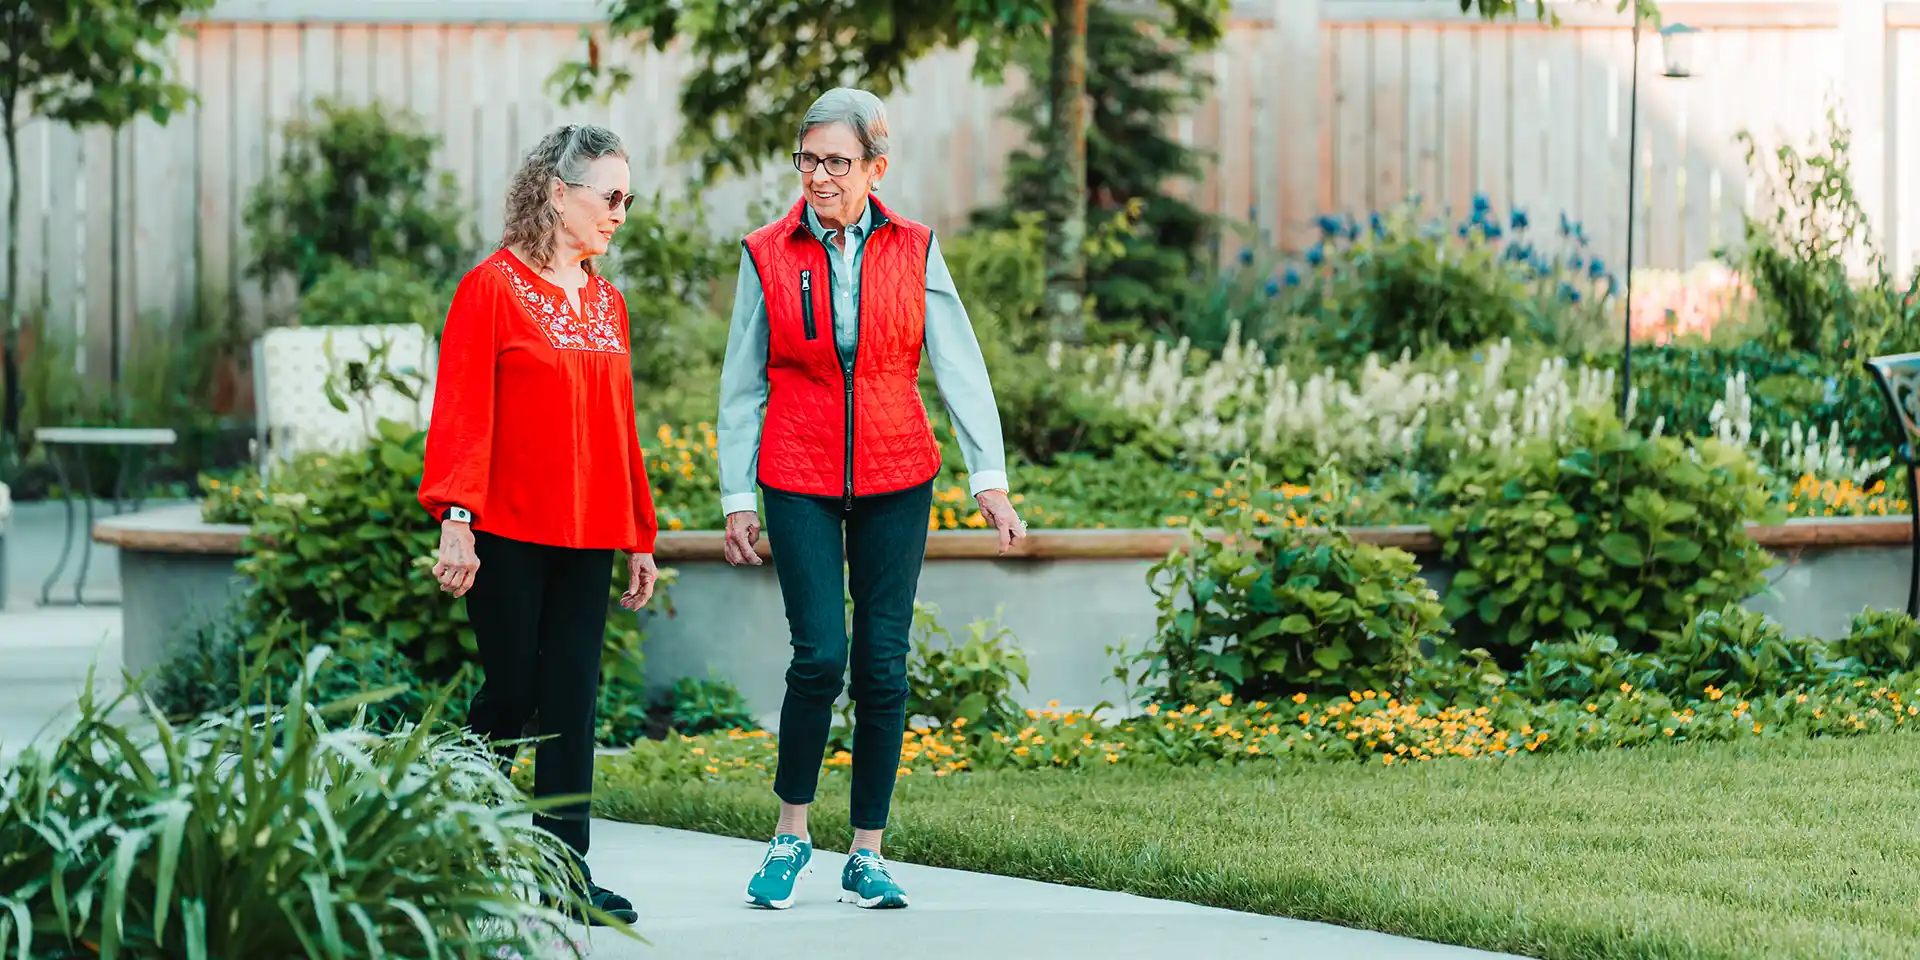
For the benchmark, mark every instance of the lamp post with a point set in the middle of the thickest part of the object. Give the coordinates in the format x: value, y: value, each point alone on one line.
x: 1676, y: 47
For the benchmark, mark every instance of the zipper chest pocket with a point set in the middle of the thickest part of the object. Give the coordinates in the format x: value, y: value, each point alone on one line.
x: 806, y: 304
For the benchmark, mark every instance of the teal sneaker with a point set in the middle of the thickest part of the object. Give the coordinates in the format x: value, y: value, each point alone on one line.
x: 788, y: 859
x: 866, y: 883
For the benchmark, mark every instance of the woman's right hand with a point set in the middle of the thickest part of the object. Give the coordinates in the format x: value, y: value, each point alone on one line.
x: 743, y: 535
x: 458, y: 561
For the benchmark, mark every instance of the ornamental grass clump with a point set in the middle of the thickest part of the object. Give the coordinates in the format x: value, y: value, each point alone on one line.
x: 273, y: 830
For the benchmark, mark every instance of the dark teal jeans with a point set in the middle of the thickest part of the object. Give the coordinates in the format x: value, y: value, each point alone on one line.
x: 878, y: 546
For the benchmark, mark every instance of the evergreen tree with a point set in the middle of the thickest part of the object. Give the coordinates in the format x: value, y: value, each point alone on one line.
x: 1138, y: 80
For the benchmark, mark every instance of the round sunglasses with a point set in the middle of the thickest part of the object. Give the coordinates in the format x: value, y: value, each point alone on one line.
x: 615, y: 198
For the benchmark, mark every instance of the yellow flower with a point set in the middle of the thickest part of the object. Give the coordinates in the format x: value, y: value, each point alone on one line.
x: 1226, y: 699
x: 1299, y: 698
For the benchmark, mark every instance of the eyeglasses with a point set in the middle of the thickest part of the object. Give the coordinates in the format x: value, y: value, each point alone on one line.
x: 836, y: 166
x: 614, y: 198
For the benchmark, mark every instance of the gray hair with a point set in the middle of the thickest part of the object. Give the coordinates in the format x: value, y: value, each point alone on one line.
x: 858, y: 109
x: 565, y: 154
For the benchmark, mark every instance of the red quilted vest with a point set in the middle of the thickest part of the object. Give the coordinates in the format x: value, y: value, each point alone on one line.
x: 825, y: 434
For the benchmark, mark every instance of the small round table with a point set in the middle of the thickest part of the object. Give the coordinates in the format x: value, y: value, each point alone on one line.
x: 54, y: 438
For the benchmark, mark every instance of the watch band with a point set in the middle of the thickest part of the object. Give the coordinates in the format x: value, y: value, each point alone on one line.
x: 459, y: 514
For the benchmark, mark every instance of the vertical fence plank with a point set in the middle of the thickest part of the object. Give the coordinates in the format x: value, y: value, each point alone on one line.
x: 1353, y: 121
x: 1532, y: 126
x: 1903, y: 253
x: 32, y: 290
x: 1602, y: 143
x: 1425, y: 92
x: 95, y: 290
x: 1459, y: 108
x: 1301, y: 104
x: 1493, y: 116
x: 1389, y: 154
x: 217, y: 216
x: 65, y: 195
x: 491, y: 134
x: 253, y: 73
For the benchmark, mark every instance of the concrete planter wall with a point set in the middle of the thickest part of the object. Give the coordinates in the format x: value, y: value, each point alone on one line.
x: 1066, y: 595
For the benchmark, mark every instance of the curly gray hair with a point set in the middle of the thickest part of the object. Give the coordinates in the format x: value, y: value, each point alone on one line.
x: 564, y: 154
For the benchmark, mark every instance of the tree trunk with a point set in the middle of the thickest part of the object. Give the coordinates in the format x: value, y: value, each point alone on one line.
x: 10, y: 321
x: 1066, y: 150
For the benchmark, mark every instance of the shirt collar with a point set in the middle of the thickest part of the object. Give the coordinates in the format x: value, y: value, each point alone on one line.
x: 860, y: 227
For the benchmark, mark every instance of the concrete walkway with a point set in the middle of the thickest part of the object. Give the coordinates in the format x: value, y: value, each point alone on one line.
x: 688, y: 888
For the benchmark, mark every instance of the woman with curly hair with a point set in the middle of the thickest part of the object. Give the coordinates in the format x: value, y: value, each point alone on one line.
x: 534, y: 469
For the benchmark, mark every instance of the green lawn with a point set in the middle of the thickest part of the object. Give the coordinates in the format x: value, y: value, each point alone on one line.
x: 1764, y: 849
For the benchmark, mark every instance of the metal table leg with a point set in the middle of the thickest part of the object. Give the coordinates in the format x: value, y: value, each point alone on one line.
x: 66, y: 541
x: 86, y: 539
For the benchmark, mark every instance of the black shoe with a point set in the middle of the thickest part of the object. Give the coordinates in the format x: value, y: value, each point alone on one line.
x: 611, y: 904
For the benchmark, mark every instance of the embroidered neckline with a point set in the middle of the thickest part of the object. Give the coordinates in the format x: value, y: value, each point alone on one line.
x: 598, y: 331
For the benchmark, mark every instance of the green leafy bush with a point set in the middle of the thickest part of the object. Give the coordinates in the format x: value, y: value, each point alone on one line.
x: 356, y: 185
x: 698, y: 705
x: 677, y: 278
x: 351, y: 548
x: 1611, y: 532
x: 1261, y: 612
x: 390, y: 292
x: 1879, y: 642
x: 1583, y: 667
x: 971, y: 681
x: 272, y: 830
x: 1734, y: 647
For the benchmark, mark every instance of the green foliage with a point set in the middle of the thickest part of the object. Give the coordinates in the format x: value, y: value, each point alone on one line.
x: 272, y: 830
x: 1586, y: 666
x: 356, y: 186
x: 1798, y: 257
x: 350, y: 551
x: 763, y: 62
x: 677, y: 278
x: 966, y: 682
x: 392, y: 292
x: 1879, y: 642
x: 1612, y: 532
x: 1410, y: 283
x: 696, y: 705
x: 1733, y: 647
x: 1139, y: 77
x: 1261, y: 612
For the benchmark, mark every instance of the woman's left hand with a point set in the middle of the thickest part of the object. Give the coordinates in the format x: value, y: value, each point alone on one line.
x: 642, y: 575
x: 1001, y: 516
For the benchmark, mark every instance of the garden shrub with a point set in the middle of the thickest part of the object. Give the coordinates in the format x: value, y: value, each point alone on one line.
x: 1609, y: 531
x: 1583, y: 667
x: 1258, y: 612
x: 1879, y: 642
x: 1408, y: 282
x: 703, y: 705
x: 391, y: 292
x: 353, y: 549
x: 970, y: 681
x: 268, y: 832
x: 1734, y: 647
x: 356, y: 185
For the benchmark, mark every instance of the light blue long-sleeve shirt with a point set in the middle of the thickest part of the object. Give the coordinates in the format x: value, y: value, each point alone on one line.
x: 959, y: 370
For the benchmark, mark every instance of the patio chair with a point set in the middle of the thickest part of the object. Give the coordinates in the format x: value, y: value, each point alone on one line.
x: 1899, y: 379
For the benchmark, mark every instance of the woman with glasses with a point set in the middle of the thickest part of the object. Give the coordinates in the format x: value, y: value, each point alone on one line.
x: 835, y: 304
x: 533, y: 467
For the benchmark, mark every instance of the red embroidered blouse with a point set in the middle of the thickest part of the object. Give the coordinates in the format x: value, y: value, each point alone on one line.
x: 533, y: 424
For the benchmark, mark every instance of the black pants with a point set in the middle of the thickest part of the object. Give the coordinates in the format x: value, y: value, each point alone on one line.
x: 880, y: 545
x: 539, y: 617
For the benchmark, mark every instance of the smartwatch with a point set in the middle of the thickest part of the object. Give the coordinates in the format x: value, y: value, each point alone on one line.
x: 459, y: 514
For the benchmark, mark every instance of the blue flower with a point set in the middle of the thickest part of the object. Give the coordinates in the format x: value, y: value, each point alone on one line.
x: 1575, y: 263
x: 1519, y: 252
x: 1353, y: 229
x: 1273, y: 287
x: 1330, y: 225
x: 1379, y: 225
x: 1317, y: 254
x: 1519, y: 219
x: 1566, y: 226
x: 1613, y: 286
x: 1492, y: 230
x: 1596, y: 268
x: 1464, y: 229
x: 1292, y: 276
x: 1246, y: 255
x: 1477, y: 357
x: 1568, y: 293
x: 1481, y: 204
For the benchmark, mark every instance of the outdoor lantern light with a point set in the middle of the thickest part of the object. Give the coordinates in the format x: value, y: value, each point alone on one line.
x: 1676, y: 44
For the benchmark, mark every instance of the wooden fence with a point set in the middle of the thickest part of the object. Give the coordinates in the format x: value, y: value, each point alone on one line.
x: 1317, y: 105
